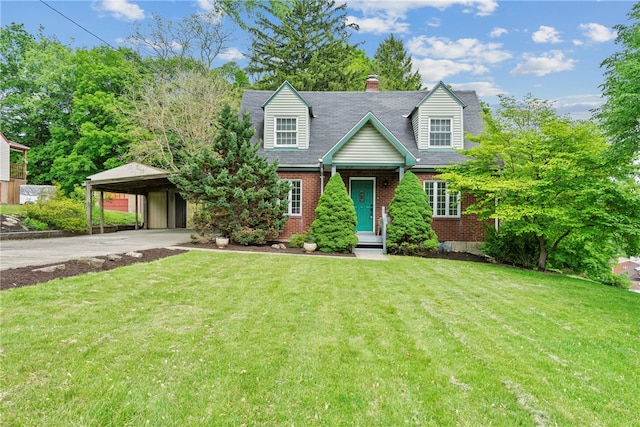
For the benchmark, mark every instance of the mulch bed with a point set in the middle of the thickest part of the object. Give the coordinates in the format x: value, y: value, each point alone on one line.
x: 25, y: 276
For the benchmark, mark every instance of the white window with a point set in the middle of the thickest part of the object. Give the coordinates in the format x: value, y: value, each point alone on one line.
x: 442, y: 202
x: 295, y: 197
x: 440, y: 132
x: 286, y: 131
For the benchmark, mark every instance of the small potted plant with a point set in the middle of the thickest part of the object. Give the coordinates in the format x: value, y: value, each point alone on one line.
x: 310, y: 244
x: 222, y: 242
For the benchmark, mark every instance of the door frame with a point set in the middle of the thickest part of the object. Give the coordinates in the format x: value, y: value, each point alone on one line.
x: 373, y: 187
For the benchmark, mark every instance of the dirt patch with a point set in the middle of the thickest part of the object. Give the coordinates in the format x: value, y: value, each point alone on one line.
x: 285, y: 249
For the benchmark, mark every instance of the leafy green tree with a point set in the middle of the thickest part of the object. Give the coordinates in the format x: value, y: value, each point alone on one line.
x: 334, y: 228
x: 545, y: 175
x: 620, y: 115
x: 410, y: 232
x: 306, y: 43
x: 394, y: 66
x: 239, y: 191
x: 98, y: 136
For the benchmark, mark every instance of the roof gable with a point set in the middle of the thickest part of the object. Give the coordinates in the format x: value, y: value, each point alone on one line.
x: 288, y: 85
x: 410, y: 159
x: 440, y: 85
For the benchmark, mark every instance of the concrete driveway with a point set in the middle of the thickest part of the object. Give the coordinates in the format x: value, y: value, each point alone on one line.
x: 25, y: 253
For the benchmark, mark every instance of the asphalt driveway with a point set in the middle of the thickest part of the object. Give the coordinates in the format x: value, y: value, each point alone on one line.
x: 25, y: 253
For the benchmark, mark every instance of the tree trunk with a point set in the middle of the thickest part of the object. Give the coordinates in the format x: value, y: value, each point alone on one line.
x: 542, y: 258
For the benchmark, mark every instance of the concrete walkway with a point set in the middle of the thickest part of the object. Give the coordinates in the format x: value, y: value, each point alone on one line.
x: 25, y: 253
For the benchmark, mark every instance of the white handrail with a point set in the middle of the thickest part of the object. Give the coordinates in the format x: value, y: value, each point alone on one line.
x: 384, y: 231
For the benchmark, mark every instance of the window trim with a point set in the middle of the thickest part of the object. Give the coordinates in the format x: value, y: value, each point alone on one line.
x: 437, y: 185
x: 276, y: 131
x: 290, y: 197
x: 450, y: 133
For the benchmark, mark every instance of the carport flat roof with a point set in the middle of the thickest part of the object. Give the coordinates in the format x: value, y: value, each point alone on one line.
x: 132, y: 178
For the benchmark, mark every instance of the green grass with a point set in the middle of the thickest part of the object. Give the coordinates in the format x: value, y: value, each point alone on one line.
x: 12, y: 210
x: 250, y: 339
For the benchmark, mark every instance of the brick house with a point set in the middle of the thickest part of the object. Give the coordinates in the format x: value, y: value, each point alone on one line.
x: 371, y: 138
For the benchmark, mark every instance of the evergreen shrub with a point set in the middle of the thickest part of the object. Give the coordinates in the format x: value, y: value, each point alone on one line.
x: 59, y: 213
x: 410, y: 232
x: 334, y: 227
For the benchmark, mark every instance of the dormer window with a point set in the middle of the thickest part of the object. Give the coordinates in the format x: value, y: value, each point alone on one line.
x: 286, y: 132
x: 440, y: 132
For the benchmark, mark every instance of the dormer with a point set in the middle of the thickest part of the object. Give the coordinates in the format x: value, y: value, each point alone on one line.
x: 286, y: 120
x: 438, y: 120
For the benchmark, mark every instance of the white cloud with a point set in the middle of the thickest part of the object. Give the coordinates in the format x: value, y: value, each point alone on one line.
x: 497, y: 32
x: 120, y: 9
x: 434, y: 70
x: 598, y: 33
x: 379, y: 25
x: 433, y: 22
x: 546, y: 35
x: 466, y: 50
x: 231, y: 54
x: 483, y: 89
x: 578, y: 106
x: 207, y: 5
x: 480, y: 7
x: 550, y: 62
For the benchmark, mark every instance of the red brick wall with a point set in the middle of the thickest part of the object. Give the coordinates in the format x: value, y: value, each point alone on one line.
x: 463, y: 229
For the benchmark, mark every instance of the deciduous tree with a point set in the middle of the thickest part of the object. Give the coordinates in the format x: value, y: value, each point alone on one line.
x: 545, y: 175
x: 620, y: 115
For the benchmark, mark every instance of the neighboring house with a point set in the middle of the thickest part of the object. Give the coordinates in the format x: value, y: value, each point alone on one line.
x: 371, y: 138
x: 12, y: 174
x: 630, y: 268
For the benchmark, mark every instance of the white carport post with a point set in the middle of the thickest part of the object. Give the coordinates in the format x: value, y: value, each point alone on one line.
x: 89, y: 202
x: 101, y: 212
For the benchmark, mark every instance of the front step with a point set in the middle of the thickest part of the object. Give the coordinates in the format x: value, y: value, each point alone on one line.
x: 369, y: 241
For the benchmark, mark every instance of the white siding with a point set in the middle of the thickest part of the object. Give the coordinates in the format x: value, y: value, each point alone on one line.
x: 286, y: 104
x: 415, y: 122
x: 368, y: 146
x: 4, y: 160
x: 440, y: 105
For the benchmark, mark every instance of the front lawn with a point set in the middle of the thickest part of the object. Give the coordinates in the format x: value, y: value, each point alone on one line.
x: 231, y: 339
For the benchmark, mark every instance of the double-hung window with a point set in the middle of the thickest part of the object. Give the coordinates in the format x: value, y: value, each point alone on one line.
x: 286, y: 131
x: 295, y: 197
x: 440, y: 132
x: 442, y: 202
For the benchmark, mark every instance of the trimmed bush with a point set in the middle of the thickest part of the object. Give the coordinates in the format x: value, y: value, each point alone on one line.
x: 334, y: 228
x: 410, y: 232
x: 59, y: 213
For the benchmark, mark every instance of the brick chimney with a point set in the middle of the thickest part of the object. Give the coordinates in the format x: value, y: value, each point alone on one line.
x: 372, y: 84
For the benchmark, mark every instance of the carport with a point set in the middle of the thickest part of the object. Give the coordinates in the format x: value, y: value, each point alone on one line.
x: 162, y: 205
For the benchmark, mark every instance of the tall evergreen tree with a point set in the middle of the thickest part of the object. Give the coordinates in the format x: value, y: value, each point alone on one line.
x: 239, y: 191
x: 393, y: 65
x: 307, y: 44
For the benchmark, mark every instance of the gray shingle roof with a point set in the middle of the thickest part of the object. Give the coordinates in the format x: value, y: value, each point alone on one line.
x: 335, y: 113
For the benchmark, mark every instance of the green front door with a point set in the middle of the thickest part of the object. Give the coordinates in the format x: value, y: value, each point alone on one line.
x: 362, y: 196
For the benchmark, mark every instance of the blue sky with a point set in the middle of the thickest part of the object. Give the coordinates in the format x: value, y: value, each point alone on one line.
x: 551, y: 49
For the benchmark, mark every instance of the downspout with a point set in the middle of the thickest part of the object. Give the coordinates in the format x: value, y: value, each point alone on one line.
x: 321, y: 178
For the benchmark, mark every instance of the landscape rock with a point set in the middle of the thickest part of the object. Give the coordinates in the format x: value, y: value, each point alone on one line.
x: 93, y: 262
x: 114, y: 257
x: 51, y: 268
x: 279, y: 246
x: 134, y: 254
